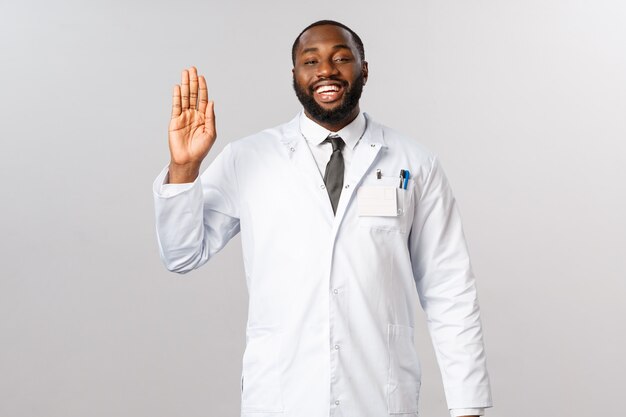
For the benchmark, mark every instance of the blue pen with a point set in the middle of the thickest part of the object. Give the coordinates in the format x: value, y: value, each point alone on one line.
x: 406, y: 178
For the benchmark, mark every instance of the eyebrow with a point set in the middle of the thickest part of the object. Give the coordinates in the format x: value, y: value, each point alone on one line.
x: 340, y: 46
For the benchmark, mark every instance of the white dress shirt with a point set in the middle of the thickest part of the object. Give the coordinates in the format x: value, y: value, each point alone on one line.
x: 316, y: 134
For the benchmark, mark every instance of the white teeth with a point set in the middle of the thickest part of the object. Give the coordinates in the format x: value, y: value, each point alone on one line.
x: 327, y: 88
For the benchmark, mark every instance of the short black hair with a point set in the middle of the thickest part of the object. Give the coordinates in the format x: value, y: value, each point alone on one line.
x: 355, y: 37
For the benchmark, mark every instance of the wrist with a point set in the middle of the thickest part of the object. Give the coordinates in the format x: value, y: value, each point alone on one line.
x: 183, y: 173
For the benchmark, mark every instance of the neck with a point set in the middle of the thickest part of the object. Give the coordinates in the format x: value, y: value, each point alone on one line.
x: 336, y: 126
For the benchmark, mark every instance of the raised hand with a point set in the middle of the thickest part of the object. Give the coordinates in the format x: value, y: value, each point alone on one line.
x: 192, y: 127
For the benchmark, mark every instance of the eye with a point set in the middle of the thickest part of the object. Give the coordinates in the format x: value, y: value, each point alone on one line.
x: 310, y: 62
x: 342, y: 59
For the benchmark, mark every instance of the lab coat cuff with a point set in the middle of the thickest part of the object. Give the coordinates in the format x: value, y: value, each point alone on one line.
x: 456, y: 412
x: 468, y: 396
x: 163, y: 189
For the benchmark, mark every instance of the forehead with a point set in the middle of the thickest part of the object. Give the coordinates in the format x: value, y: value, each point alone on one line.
x: 325, y: 36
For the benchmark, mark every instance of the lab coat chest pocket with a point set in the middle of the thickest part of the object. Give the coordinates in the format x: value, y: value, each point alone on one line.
x: 404, y: 370
x: 402, y: 221
x: 261, y: 390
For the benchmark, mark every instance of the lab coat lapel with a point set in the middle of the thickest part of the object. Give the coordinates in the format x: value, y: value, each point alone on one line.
x: 364, y: 156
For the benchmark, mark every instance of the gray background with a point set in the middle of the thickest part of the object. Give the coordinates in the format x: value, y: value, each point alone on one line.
x: 524, y: 101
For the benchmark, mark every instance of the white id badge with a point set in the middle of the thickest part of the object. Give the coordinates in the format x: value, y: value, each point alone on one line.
x: 377, y: 201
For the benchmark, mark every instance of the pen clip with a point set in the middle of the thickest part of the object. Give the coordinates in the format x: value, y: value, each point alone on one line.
x: 401, y: 178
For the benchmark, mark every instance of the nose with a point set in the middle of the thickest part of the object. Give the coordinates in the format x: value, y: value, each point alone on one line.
x: 326, y: 68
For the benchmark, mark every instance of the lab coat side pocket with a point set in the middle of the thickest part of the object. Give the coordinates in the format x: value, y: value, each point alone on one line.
x: 404, y: 379
x: 261, y: 387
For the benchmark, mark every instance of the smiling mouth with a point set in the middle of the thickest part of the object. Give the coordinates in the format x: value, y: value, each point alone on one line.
x: 329, y: 93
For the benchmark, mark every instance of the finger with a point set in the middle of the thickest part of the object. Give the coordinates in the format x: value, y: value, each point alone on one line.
x: 184, y: 89
x: 209, y: 117
x: 193, y: 88
x: 203, y: 95
x: 176, y: 110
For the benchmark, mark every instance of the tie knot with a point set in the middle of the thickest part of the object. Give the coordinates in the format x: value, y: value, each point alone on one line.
x: 336, y: 141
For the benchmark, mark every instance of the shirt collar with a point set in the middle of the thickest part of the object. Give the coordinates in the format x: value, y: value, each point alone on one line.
x: 316, y: 134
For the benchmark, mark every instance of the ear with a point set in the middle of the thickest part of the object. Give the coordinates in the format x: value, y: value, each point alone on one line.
x: 365, y: 71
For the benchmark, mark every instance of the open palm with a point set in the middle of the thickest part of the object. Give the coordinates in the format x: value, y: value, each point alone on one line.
x: 192, y: 126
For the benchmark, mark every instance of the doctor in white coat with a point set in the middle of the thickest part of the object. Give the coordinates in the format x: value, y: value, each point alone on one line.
x: 335, y: 264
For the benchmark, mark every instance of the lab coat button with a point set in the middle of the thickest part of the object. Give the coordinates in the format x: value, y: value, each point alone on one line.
x: 347, y: 186
x: 335, y: 291
x: 322, y: 186
x: 336, y: 347
x: 292, y: 149
x: 337, y: 402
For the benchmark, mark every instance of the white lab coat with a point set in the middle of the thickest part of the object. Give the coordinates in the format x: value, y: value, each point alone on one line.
x: 332, y: 299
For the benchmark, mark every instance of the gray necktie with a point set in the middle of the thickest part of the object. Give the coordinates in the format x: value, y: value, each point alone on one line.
x: 333, y: 177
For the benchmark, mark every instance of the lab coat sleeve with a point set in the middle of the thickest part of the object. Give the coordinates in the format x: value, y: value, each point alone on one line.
x: 194, y: 221
x: 447, y: 292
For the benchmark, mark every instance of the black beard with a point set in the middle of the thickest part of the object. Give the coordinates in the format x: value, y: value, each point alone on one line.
x: 349, y: 102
